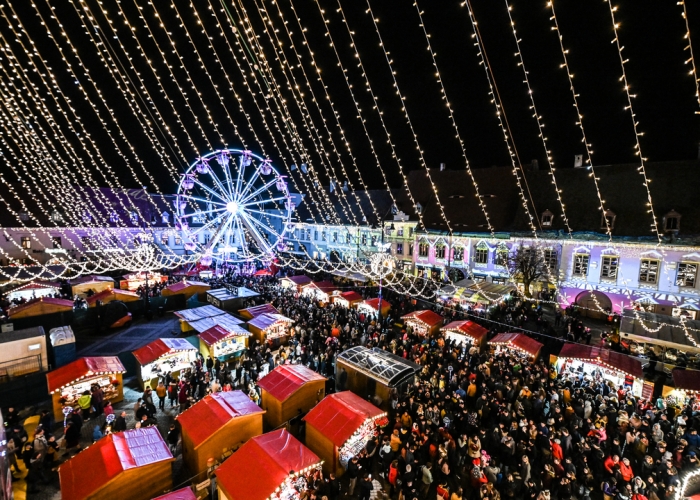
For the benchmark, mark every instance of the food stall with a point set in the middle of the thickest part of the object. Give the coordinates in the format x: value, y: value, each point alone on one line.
x: 33, y: 290
x: 295, y: 282
x: 133, y: 464
x: 321, y: 291
x: 68, y: 382
x: 23, y: 352
x: 187, y: 288
x: 194, y: 319
x: 517, y: 343
x: 221, y: 343
x: 106, y: 296
x: 273, y: 466
x: 348, y: 300
x: 252, y: 312
x: 161, y: 356
x: 373, y: 372
x: 686, y: 386
x: 425, y: 323
x: 584, y: 361
x: 215, y: 426
x: 39, y: 307
x: 230, y: 298
x: 465, y: 332
x: 270, y: 327
x: 339, y: 427
x: 136, y: 280
x: 288, y: 389
x: 81, y: 286
x: 371, y: 307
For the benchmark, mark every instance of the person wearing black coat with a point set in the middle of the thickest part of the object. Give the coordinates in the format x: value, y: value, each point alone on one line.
x: 119, y: 424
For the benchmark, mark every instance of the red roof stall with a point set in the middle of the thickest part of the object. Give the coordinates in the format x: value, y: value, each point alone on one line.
x: 162, y: 356
x: 288, y: 389
x: 223, y: 343
x: 141, y: 279
x: 39, y: 307
x: 81, y: 286
x: 371, y: 306
x: 112, y: 294
x: 295, y: 282
x: 425, y: 323
x: 270, y: 327
x: 465, y: 331
x: 33, y: 290
x: 348, y: 299
x: 576, y: 360
x: 67, y: 383
x: 202, y: 318
x: 215, y: 426
x: 322, y: 291
x: 517, y: 342
x: 131, y: 464
x: 186, y: 288
x: 686, y: 385
x: 182, y: 494
x: 252, y: 312
x: 266, y: 467
x: 339, y: 427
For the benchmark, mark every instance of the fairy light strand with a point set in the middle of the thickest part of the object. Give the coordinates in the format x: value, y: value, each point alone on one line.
x: 693, y: 71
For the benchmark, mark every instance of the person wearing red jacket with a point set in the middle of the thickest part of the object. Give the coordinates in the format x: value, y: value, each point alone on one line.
x: 610, y: 463
x: 626, y: 470
x: 557, y: 451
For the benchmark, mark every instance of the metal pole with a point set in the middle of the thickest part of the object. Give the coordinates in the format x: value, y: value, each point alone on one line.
x: 381, y: 279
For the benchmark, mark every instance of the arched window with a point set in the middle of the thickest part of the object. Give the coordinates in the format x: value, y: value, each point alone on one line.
x: 423, y: 248
x: 458, y: 253
x: 481, y: 253
x: 440, y: 250
x: 166, y: 218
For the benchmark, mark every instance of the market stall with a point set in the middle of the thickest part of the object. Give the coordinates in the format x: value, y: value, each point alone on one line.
x: 110, y: 295
x: 39, y: 307
x: 686, y: 386
x: 595, y: 363
x: 517, y: 343
x: 202, y: 318
x: 465, y: 332
x: 339, y: 427
x: 181, y: 494
x: 251, y: 312
x: 267, y: 467
x: 187, y: 288
x: 133, y: 464
x: 288, y: 389
x: 81, y: 286
x: 33, y: 290
x: 271, y: 328
x: 295, y: 282
x: 230, y: 298
x: 321, y: 291
x: 23, y: 352
x: 371, y: 307
x: 348, y: 300
x: 425, y: 323
x: 373, y: 372
x: 230, y: 419
x: 161, y: 356
x: 142, y: 279
x: 221, y: 343
x: 67, y: 383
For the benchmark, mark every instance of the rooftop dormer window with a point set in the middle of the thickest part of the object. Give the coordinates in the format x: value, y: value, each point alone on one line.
x: 547, y: 218
x: 608, y: 220
x: 672, y: 221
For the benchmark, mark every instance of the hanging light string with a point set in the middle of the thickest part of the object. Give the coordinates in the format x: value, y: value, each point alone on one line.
x: 693, y: 71
x: 404, y: 109
x: 538, y: 119
x: 438, y: 77
x: 635, y: 123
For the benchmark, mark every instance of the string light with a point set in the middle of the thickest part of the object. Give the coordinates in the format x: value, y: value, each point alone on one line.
x: 693, y: 71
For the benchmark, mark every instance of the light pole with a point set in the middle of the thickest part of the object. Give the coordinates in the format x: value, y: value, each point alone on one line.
x: 381, y: 274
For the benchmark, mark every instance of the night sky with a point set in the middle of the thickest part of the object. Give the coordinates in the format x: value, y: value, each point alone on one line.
x: 652, y: 33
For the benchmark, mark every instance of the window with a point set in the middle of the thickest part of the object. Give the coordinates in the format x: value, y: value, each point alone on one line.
x: 608, y: 268
x: 166, y: 218
x: 373, y: 241
x: 348, y: 239
x: 581, y: 264
x: 610, y: 218
x: 399, y: 249
x: 648, y: 271
x: 423, y: 249
x: 500, y: 258
x: 458, y: 253
x: 481, y: 254
x: 56, y: 242
x: 335, y: 237
x: 165, y: 239
x: 687, y: 273
x: 410, y: 249
x: 399, y: 231
x: 55, y: 216
x: 547, y: 218
x: 113, y: 216
x: 178, y: 240
x: 550, y: 258
x: 26, y: 242
x: 410, y: 232
x: 323, y: 235
x: 196, y: 219
x: 672, y: 221
x: 23, y: 216
x: 440, y: 251
x: 134, y: 217
x: 363, y: 240
x: 315, y: 234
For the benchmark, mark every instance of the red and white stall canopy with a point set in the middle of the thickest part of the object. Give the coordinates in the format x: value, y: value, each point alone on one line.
x: 83, y: 368
x: 686, y: 380
x: 603, y: 357
x: 466, y: 327
x: 426, y: 318
x: 519, y: 342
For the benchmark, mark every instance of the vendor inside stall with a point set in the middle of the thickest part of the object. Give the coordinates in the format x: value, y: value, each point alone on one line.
x: 68, y: 383
x: 516, y: 343
x: 222, y: 343
x: 136, y: 280
x: 425, y: 323
x: 465, y: 334
x: 685, y: 390
x: 270, y: 328
x: 163, y: 356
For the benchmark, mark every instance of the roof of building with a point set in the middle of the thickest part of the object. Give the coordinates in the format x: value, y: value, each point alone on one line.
x: 374, y: 304
x: 82, y: 368
x: 27, y: 333
x: 226, y: 321
x: 266, y: 320
x: 110, y: 292
x: 60, y: 303
x: 285, y: 380
x: 159, y: 348
x: 254, y: 311
x: 97, y: 465
x: 339, y: 415
x: 686, y: 380
x: 301, y: 279
x: 197, y: 313
x: 217, y: 410
x: 606, y: 357
x: 518, y: 340
x: 182, y: 494
x: 351, y: 296
x: 262, y: 464
x: 660, y: 327
x: 427, y: 317
x: 92, y: 278
x: 184, y: 284
x: 381, y: 365
x: 466, y: 327
x: 353, y: 207
x: 325, y: 286
x: 217, y: 333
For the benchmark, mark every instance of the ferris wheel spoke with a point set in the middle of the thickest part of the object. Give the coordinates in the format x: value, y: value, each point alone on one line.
x: 249, y: 184
x: 201, y: 200
x: 213, y: 211
x: 220, y: 232
x: 241, y: 238
x: 258, y: 191
x: 210, y: 190
x: 264, y: 226
x: 225, y: 190
x: 262, y: 242
x: 266, y: 214
x: 208, y: 224
x: 263, y: 202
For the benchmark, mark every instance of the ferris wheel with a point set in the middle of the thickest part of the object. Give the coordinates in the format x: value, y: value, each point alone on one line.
x: 233, y: 206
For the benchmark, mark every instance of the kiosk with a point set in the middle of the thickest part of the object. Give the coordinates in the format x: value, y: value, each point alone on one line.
x: 348, y: 299
x: 187, y: 288
x: 230, y: 298
x: 517, y: 343
x: 202, y: 318
x: 33, y: 290
x: 142, y: 279
x: 295, y: 282
x: 425, y: 323
x: 106, y: 296
x: 371, y: 307
x: 322, y: 291
x: 23, y: 352
x: 39, y: 307
x: 686, y: 387
x: 215, y: 426
x: 289, y: 390
x: 339, y: 427
x: 81, y: 286
x: 465, y: 332
x: 252, y: 312
x: 223, y: 344
x: 270, y: 327
x: 581, y: 361
x: 267, y: 467
x: 68, y: 382
x: 133, y: 464
x: 162, y: 356
x: 373, y: 372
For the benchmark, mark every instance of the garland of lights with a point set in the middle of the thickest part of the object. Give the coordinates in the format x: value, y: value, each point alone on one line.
x: 693, y: 71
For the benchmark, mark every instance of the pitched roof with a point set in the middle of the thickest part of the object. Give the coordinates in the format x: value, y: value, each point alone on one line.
x: 97, y: 465
x: 605, y: 357
x: 262, y: 464
x: 325, y: 286
x: 466, y: 327
x: 182, y: 494
x: 112, y: 291
x: 285, y: 380
x: 83, y: 368
x: 90, y: 279
x: 351, y: 296
x: 687, y: 380
x: 160, y: 347
x: 427, y: 317
x: 265, y: 320
x: 339, y: 415
x: 301, y: 279
x: 197, y: 313
x: 216, y: 410
x: 217, y: 333
x: 182, y: 285
x: 62, y: 303
x: 374, y: 304
x: 518, y: 340
x: 254, y: 311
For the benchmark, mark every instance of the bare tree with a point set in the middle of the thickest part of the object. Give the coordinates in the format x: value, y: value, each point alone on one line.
x: 527, y: 265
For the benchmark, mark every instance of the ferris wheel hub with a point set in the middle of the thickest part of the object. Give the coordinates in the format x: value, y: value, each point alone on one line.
x: 232, y: 207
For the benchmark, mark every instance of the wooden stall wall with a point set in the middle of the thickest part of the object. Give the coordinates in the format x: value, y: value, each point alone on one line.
x: 279, y: 412
x: 325, y: 449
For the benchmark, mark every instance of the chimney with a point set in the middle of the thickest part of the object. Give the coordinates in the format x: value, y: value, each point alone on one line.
x: 535, y: 165
x: 578, y: 161
x: 442, y: 167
